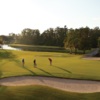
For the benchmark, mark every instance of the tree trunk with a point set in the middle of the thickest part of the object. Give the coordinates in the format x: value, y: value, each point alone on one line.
x: 75, y: 50
x: 84, y: 51
x: 70, y: 50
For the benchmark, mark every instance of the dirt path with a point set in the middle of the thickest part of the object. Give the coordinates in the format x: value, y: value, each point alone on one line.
x: 80, y: 86
x: 90, y: 56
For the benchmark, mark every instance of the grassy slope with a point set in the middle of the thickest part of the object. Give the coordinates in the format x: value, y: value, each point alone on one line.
x: 42, y: 93
x: 64, y: 65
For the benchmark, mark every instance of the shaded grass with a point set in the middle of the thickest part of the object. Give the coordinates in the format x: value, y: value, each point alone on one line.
x: 42, y: 93
x: 4, y: 54
x: 39, y: 48
x: 42, y: 48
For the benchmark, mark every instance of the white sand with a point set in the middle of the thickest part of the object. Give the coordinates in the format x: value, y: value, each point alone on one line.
x: 81, y: 86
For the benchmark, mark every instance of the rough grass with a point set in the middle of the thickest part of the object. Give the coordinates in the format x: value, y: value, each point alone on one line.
x: 64, y: 65
x: 42, y: 93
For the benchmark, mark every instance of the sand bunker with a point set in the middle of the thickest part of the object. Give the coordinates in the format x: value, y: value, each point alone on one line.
x: 81, y: 86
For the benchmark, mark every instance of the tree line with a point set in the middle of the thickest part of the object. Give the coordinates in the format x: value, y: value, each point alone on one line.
x: 50, y: 37
x: 83, y: 38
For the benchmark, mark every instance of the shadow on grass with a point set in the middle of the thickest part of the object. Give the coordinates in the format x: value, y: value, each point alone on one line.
x: 4, y: 54
x: 24, y: 67
x: 45, y: 71
x: 63, y: 69
x: 33, y: 73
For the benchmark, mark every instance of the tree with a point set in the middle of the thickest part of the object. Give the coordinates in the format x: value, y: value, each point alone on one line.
x: 28, y: 36
x: 68, y: 42
x: 11, y: 37
x: 99, y: 45
x: 61, y: 33
x: 99, y: 42
x: 48, y: 37
x: 84, y: 43
x: 78, y: 39
x: 1, y: 42
x: 95, y: 33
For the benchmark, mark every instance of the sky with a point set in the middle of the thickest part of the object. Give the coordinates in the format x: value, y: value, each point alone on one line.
x: 15, y: 15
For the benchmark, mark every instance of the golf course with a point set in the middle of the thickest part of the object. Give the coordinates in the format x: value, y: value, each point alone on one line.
x: 64, y: 66
x: 50, y: 50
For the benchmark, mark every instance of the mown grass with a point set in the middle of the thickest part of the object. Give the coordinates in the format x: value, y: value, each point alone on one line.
x: 64, y: 65
x: 42, y: 93
x: 42, y: 48
x: 39, y: 48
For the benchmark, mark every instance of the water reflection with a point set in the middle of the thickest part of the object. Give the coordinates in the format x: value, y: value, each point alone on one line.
x: 9, y: 48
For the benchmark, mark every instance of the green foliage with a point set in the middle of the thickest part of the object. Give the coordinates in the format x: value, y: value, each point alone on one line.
x: 53, y: 37
x: 78, y: 39
x: 99, y: 42
x: 82, y: 38
x: 1, y: 42
x: 50, y: 37
x: 28, y: 36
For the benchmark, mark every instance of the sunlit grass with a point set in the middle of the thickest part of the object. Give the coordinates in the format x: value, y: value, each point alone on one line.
x: 64, y: 65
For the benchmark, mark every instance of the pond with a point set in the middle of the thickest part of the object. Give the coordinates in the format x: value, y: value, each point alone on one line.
x: 9, y: 48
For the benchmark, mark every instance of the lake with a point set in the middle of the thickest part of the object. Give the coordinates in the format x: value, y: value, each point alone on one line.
x: 9, y: 48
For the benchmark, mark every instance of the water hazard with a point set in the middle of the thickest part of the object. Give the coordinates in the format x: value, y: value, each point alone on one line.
x: 9, y: 48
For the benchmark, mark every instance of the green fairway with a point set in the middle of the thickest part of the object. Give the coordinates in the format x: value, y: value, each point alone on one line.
x: 64, y: 65
x: 42, y: 93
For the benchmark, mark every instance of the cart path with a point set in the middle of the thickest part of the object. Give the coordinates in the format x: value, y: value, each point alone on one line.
x: 90, y: 56
x: 81, y: 86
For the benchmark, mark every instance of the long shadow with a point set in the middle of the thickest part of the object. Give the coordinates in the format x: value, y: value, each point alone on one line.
x: 24, y: 67
x: 44, y: 71
x: 29, y: 70
x: 63, y: 69
x: 4, y: 54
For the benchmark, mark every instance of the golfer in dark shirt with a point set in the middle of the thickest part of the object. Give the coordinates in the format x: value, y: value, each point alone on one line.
x: 23, y: 62
x: 35, y: 65
x: 50, y: 60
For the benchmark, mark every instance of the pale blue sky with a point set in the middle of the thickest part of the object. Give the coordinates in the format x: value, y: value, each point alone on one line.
x: 16, y: 15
